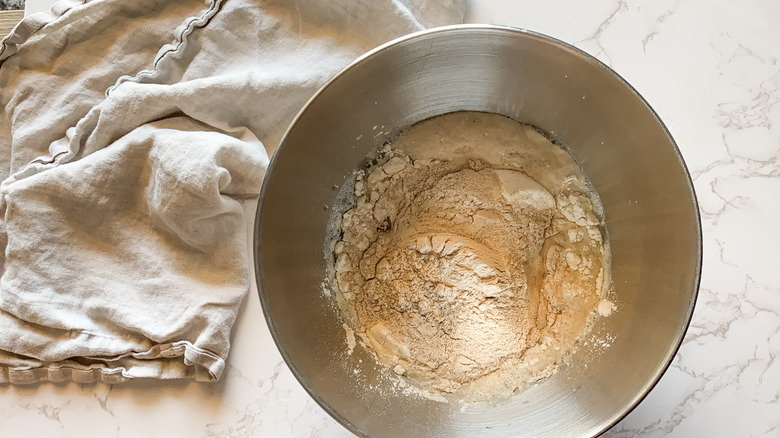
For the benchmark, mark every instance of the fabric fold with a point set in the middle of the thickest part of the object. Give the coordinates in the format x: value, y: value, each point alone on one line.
x: 130, y: 135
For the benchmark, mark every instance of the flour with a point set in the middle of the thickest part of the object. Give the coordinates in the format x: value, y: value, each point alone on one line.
x: 606, y: 307
x: 473, y: 258
x: 351, y: 340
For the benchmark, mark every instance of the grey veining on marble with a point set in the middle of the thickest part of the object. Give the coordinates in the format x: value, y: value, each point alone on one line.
x: 711, y: 69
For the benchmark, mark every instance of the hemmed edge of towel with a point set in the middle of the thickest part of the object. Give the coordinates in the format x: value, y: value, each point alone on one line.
x: 197, y: 363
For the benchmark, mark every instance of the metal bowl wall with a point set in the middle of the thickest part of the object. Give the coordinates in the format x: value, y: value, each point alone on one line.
x: 629, y: 156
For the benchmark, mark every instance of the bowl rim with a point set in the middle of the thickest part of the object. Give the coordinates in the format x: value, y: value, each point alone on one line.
x: 679, y: 336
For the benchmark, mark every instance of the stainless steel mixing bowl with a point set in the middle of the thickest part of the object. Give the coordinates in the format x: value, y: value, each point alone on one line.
x: 632, y: 161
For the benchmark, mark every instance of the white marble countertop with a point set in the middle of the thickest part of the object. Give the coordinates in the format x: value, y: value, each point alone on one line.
x: 710, y: 69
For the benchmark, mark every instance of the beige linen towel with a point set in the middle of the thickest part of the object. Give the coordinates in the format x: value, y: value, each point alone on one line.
x: 130, y: 133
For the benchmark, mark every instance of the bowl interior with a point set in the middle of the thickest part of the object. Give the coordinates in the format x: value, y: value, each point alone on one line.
x: 630, y: 158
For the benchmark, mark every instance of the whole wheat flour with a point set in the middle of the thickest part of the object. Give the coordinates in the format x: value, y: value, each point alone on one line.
x: 473, y: 258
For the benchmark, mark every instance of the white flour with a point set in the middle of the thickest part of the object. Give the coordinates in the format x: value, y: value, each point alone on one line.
x: 473, y: 259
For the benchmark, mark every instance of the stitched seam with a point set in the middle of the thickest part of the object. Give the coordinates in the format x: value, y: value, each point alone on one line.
x: 180, y: 40
x: 205, y: 359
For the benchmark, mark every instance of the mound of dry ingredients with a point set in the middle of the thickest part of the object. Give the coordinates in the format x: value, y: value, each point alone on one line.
x: 473, y: 259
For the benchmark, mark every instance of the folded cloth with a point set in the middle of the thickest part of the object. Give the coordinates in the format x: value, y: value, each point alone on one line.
x: 130, y: 133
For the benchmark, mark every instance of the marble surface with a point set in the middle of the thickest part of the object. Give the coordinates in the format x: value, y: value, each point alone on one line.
x: 710, y: 69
